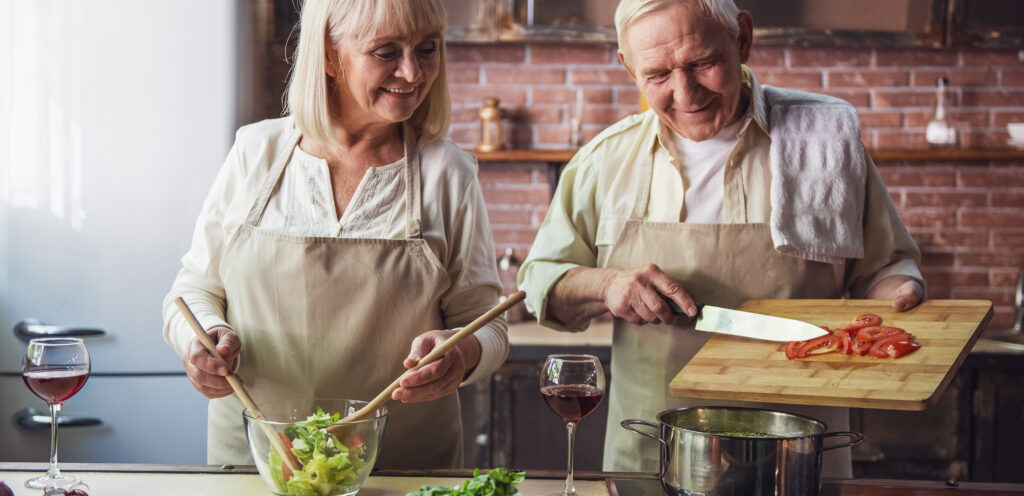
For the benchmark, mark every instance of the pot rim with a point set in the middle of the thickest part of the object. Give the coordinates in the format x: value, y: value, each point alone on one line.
x: 823, y: 427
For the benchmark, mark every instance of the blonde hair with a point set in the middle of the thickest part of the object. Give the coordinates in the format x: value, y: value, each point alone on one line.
x: 325, y: 23
x: 724, y: 12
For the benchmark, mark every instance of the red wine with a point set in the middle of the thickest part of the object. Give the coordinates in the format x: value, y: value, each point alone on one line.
x: 572, y: 401
x: 55, y: 386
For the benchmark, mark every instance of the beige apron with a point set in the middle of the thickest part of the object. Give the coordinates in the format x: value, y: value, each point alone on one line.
x: 717, y: 264
x: 334, y: 318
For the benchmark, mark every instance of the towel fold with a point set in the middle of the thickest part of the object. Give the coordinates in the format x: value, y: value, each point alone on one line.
x: 818, y: 176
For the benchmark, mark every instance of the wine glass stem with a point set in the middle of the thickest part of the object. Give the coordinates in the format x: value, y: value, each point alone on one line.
x: 54, y: 416
x: 570, y: 490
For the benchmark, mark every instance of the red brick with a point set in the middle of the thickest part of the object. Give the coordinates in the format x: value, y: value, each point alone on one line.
x: 523, y: 75
x: 900, y: 57
x: 1003, y: 318
x: 1001, y: 118
x: 558, y: 94
x: 949, y: 238
x: 535, y: 114
x: 1008, y: 240
x: 937, y: 277
x: 982, y: 139
x: 992, y: 57
x: 514, y: 236
x: 474, y: 95
x: 970, y: 278
x: 571, y: 54
x: 902, y: 98
x: 992, y: 178
x: 880, y: 119
x: 1002, y: 218
x: 946, y: 199
x: 539, y: 213
x: 937, y: 292
x: 520, y: 136
x: 931, y: 258
x: 1003, y: 278
x: 627, y: 97
x: 553, y: 135
x: 1011, y: 78
x: 465, y: 137
x: 463, y: 73
x: 494, y: 175
x: 992, y: 97
x: 928, y: 217
x: 867, y: 79
x: 857, y: 98
x: 766, y: 57
x: 828, y: 57
x: 998, y: 297
x: 1008, y: 199
x: 789, y: 79
x: 534, y: 194
x: 505, y: 52
x: 957, y: 117
x: 957, y: 77
x: 912, y: 140
x: 911, y: 177
x: 506, y: 217
x: 606, y: 115
x: 990, y: 260
x: 600, y: 76
x: 464, y: 115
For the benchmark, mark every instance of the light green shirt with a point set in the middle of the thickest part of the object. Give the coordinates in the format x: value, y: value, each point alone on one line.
x: 596, y: 193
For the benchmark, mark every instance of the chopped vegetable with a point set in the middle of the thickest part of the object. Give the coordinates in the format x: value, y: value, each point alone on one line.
x: 865, y: 335
x: 496, y: 482
x: 327, y: 464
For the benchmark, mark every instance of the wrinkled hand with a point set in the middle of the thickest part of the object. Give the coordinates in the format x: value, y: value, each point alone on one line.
x: 904, y: 292
x: 443, y: 376
x: 636, y: 296
x: 207, y: 373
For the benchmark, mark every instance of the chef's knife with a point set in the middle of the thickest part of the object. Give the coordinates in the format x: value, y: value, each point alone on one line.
x: 750, y: 325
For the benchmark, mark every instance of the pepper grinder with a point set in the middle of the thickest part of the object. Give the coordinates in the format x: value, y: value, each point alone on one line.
x: 490, y: 125
x: 940, y: 131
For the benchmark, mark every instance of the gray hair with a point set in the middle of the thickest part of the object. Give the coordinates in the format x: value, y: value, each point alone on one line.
x: 724, y: 12
x: 325, y: 23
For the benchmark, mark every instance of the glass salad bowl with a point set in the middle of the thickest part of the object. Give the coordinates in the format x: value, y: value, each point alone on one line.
x: 330, y: 458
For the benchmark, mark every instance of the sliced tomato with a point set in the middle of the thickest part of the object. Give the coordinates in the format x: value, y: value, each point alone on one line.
x: 355, y: 442
x: 791, y: 349
x: 286, y: 473
x: 864, y: 320
x: 847, y: 343
x: 879, y: 332
x: 819, y: 346
x: 860, y: 348
x: 894, y: 346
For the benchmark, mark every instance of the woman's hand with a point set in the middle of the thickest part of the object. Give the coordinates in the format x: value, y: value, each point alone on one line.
x: 443, y: 376
x: 207, y: 373
x: 904, y: 292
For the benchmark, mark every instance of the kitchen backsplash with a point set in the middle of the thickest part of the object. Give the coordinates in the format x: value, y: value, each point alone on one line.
x: 966, y: 215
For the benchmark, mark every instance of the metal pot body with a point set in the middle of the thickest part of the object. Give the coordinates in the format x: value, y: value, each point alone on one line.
x: 721, y: 451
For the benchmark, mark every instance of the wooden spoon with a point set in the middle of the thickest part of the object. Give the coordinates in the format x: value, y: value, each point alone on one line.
x: 345, y: 432
x: 279, y: 444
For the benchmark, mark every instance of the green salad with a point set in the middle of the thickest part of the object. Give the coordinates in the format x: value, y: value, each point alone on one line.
x: 496, y: 482
x: 327, y: 464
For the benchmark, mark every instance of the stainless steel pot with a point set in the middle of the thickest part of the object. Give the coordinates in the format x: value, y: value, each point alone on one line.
x: 719, y: 451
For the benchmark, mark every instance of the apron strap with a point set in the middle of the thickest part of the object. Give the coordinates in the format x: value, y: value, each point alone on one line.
x: 643, y: 185
x: 413, y: 203
x: 262, y: 198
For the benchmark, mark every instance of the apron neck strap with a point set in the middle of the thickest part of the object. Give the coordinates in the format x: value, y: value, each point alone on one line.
x: 413, y: 203
x: 262, y: 199
x: 643, y: 185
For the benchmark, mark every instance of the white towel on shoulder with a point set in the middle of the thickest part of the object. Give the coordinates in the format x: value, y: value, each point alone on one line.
x: 818, y: 176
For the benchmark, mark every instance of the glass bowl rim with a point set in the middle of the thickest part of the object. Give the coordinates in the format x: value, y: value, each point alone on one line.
x: 383, y: 412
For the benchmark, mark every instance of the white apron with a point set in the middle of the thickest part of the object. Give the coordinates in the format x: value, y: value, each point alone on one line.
x: 717, y: 264
x: 334, y: 318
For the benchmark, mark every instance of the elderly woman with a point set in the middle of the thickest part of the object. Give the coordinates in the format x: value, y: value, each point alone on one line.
x: 346, y: 240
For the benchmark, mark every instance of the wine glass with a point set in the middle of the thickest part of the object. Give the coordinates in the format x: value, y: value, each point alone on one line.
x: 55, y: 369
x: 573, y: 386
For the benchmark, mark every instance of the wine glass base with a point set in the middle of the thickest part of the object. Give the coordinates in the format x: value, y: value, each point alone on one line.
x: 47, y: 481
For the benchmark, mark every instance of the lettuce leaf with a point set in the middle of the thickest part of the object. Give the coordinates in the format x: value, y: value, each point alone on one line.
x: 496, y: 482
x: 327, y: 464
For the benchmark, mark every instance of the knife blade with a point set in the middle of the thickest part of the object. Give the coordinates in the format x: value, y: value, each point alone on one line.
x: 750, y: 325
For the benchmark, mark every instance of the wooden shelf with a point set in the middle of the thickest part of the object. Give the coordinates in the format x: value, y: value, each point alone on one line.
x: 563, y: 156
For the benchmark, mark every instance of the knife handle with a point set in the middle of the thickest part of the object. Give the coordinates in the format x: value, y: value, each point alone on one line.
x: 679, y: 311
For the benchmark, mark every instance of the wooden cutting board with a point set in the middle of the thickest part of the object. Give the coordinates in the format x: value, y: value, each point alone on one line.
x: 734, y: 368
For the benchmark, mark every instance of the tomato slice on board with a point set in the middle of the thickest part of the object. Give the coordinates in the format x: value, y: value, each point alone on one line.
x: 847, y: 342
x: 791, y: 349
x: 894, y: 347
x: 860, y: 348
x: 819, y: 346
x: 864, y: 320
x: 879, y: 332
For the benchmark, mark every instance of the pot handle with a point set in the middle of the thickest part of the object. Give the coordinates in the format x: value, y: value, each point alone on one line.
x: 628, y: 425
x: 855, y: 438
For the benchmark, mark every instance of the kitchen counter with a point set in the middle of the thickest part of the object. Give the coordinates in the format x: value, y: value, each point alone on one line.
x: 160, y: 480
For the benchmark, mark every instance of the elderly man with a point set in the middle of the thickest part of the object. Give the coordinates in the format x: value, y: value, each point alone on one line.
x: 724, y: 191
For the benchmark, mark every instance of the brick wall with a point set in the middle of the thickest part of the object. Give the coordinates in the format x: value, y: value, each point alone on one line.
x: 967, y: 216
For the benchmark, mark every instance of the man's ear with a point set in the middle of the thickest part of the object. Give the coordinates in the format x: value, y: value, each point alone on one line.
x: 746, y: 37
x: 629, y: 70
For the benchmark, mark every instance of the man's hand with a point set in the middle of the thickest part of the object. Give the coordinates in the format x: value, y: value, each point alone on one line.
x: 904, y: 292
x: 636, y: 295
x: 442, y: 376
x: 207, y: 373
